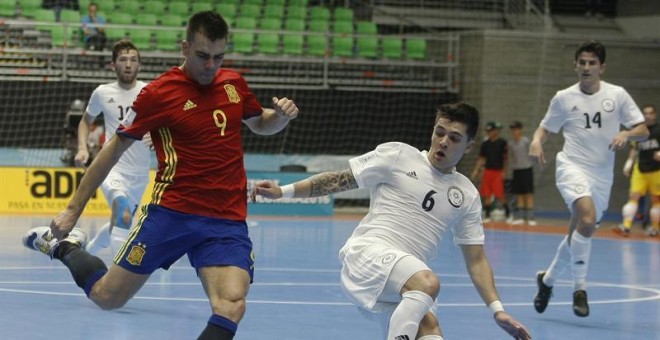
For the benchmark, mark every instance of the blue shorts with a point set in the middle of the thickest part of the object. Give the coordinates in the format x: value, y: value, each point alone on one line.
x: 162, y: 236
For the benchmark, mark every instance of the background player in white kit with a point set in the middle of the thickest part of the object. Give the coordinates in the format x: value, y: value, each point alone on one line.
x: 590, y: 113
x: 415, y: 198
x: 124, y: 186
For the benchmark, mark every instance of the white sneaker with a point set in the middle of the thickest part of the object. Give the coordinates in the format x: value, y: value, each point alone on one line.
x: 531, y: 222
x: 41, y: 239
x: 518, y: 221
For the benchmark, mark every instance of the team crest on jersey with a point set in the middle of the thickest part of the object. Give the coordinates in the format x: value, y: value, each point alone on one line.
x: 579, y: 189
x: 608, y: 105
x: 388, y: 258
x: 136, y: 255
x: 455, y: 196
x: 232, y: 94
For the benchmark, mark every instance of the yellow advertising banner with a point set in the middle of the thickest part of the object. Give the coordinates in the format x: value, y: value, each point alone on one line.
x: 47, y: 191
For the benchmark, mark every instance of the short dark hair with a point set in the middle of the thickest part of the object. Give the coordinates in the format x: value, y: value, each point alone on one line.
x: 123, y: 45
x: 461, y: 113
x: 650, y: 106
x: 209, y: 23
x: 594, y: 47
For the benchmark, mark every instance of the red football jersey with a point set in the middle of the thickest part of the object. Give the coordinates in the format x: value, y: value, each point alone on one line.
x: 196, y: 132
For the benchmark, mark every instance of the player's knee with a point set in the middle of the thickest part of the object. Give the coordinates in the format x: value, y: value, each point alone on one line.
x: 427, y: 282
x: 107, y: 300
x: 233, y: 309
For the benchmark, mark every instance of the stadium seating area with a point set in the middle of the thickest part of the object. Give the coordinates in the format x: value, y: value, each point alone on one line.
x: 259, y: 27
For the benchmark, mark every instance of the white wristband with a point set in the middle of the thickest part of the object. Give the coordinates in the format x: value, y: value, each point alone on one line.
x: 496, y: 306
x: 287, y: 191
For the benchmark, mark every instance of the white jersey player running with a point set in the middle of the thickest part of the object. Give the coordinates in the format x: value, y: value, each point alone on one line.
x: 125, y: 184
x: 415, y: 198
x: 590, y: 114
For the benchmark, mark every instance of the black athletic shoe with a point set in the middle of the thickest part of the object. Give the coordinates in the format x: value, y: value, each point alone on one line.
x: 580, y: 305
x: 543, y: 295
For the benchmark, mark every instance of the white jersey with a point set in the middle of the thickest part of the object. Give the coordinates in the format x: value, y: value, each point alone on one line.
x: 591, y: 122
x: 412, y: 203
x: 114, y: 103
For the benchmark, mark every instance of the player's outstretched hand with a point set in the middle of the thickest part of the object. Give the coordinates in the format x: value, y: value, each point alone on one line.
x: 82, y: 156
x: 512, y: 326
x: 536, y: 151
x: 285, y: 107
x: 266, y: 189
x: 63, y: 223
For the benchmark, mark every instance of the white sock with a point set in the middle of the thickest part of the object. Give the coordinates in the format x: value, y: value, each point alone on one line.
x: 407, y: 315
x: 559, y: 263
x: 629, y: 210
x: 430, y: 337
x: 100, y: 241
x: 580, y: 253
x: 117, y: 238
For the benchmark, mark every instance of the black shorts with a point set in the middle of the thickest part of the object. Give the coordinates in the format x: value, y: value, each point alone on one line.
x: 523, y: 181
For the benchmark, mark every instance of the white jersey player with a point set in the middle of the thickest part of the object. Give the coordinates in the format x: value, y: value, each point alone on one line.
x: 416, y: 196
x: 590, y: 113
x: 125, y: 184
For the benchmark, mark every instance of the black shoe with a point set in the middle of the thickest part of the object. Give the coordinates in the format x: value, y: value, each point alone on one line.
x: 543, y: 296
x: 580, y: 305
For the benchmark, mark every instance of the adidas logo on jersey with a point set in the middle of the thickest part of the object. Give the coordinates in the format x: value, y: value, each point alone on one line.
x: 574, y: 109
x: 112, y: 100
x: 411, y: 174
x: 402, y: 337
x: 189, y: 105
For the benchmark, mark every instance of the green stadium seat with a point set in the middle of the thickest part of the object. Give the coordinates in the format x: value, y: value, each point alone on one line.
x: 70, y: 16
x: 119, y: 18
x: 416, y: 48
x: 168, y: 40
x: 58, y: 36
x: 343, y: 14
x: 207, y: 6
x: 127, y: 6
x: 317, y: 45
x: 250, y: 10
x: 392, y: 48
x: 180, y: 8
x: 342, y: 46
x: 367, y: 47
x: 274, y: 11
x: 148, y: 20
x: 232, y: 2
x: 103, y: 5
x: 29, y: 4
x: 243, y: 42
x: 173, y: 20
x: 141, y: 38
x: 367, y: 27
x: 276, y: 2
x: 271, y: 24
x: 254, y: 2
x: 114, y: 34
x: 343, y: 27
x: 296, y: 12
x: 8, y: 9
x: 294, y: 24
x: 45, y: 15
x: 293, y: 44
x: 321, y: 26
x: 247, y: 23
x: 319, y: 13
x: 154, y: 7
x: 226, y: 10
x: 268, y: 43
x: 301, y: 3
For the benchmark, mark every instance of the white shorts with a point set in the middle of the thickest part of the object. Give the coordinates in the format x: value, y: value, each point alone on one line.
x: 575, y: 181
x: 119, y: 184
x: 367, y: 277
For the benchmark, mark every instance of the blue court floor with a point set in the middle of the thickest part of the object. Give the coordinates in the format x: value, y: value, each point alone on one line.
x: 296, y: 293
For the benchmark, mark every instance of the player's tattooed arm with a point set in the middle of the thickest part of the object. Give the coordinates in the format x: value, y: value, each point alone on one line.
x: 332, y: 182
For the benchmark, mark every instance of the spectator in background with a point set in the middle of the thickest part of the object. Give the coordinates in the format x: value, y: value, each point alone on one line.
x: 93, y: 31
x: 492, y: 159
x: 522, y: 184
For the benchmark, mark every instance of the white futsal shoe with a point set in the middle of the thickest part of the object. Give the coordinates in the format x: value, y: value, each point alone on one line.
x: 42, y: 240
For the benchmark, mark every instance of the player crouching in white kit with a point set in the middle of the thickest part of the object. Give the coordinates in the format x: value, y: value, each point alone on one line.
x: 416, y: 196
x: 125, y: 184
